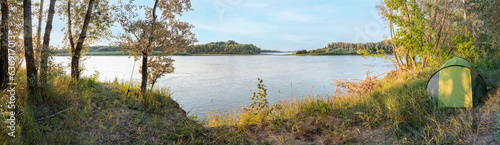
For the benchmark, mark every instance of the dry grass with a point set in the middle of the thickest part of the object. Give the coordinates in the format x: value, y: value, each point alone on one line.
x: 395, y: 110
x: 389, y: 111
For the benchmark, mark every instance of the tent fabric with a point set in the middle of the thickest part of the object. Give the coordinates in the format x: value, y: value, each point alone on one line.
x: 456, y: 85
x: 456, y: 90
x: 457, y: 61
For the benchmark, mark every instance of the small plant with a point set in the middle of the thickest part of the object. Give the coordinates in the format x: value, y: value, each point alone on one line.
x: 95, y: 76
x: 497, y: 125
x: 259, y: 101
x: 259, y: 109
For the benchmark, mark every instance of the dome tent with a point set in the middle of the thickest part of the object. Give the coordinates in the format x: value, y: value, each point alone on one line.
x: 456, y: 85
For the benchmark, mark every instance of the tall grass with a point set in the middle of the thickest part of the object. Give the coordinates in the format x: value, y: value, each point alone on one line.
x: 399, y: 105
x: 92, y: 112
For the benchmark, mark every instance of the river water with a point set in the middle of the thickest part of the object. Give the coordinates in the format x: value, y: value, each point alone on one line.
x: 201, y: 84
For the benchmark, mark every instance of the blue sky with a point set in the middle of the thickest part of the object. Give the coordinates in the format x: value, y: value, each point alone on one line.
x: 278, y: 24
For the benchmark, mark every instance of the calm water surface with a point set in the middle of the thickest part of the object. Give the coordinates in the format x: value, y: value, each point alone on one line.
x: 222, y: 83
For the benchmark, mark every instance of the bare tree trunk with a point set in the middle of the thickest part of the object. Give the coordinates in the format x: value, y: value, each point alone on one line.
x: 407, y: 54
x: 145, y: 54
x: 39, y: 29
x: 70, y: 32
x: 425, y: 60
x: 31, y: 71
x: 442, y: 23
x: 394, y: 47
x: 144, y: 72
x: 4, y: 49
x: 414, y: 62
x: 75, y: 59
x: 465, y: 17
x: 46, y: 42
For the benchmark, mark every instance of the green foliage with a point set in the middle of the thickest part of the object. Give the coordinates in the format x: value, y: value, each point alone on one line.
x: 303, y: 51
x: 161, y: 67
x: 182, y: 53
x: 497, y: 125
x: 229, y: 47
x: 99, y: 26
x: 259, y: 100
x: 95, y: 76
x: 343, y: 48
x: 434, y: 31
x: 400, y: 107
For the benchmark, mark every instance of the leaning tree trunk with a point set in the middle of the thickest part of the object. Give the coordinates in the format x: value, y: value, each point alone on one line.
x: 46, y: 41
x: 31, y: 71
x: 145, y: 54
x: 75, y: 59
x: 4, y: 28
x: 442, y: 24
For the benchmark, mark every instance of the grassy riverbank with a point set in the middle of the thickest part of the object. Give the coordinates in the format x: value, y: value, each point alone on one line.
x: 92, y: 112
x: 388, y: 111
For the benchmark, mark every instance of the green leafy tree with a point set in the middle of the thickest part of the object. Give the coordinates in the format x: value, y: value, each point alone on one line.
x: 433, y: 31
x: 229, y: 47
x: 164, y: 33
x: 87, y: 21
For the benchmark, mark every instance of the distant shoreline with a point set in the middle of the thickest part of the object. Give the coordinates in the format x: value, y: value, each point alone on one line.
x: 120, y: 53
x: 280, y: 53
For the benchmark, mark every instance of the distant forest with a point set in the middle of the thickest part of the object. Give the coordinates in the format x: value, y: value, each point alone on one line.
x: 229, y: 47
x: 343, y: 48
x: 232, y: 47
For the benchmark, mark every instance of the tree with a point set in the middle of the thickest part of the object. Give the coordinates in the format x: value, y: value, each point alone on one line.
x: 77, y: 50
x: 433, y: 31
x: 31, y: 70
x: 162, y: 33
x: 39, y: 28
x: 46, y: 41
x: 4, y: 28
x: 85, y: 26
x: 14, y: 31
x: 163, y: 66
x: 229, y: 47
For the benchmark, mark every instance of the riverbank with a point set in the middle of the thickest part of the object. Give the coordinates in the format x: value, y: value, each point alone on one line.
x: 393, y: 110
x: 389, y: 111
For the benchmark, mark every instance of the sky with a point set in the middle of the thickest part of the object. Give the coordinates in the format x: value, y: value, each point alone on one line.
x: 286, y: 25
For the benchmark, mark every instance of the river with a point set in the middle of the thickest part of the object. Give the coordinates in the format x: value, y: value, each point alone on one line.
x: 201, y: 84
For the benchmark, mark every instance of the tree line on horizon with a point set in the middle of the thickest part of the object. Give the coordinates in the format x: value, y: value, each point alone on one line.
x: 221, y: 47
x: 344, y: 48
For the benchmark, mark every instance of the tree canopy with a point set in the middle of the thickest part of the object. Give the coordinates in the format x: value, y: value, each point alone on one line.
x: 344, y: 48
x: 434, y: 31
x: 221, y: 47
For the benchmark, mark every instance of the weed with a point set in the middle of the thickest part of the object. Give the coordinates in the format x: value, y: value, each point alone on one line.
x: 497, y: 125
x: 259, y: 100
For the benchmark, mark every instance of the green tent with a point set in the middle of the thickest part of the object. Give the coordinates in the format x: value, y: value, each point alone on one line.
x: 456, y: 85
